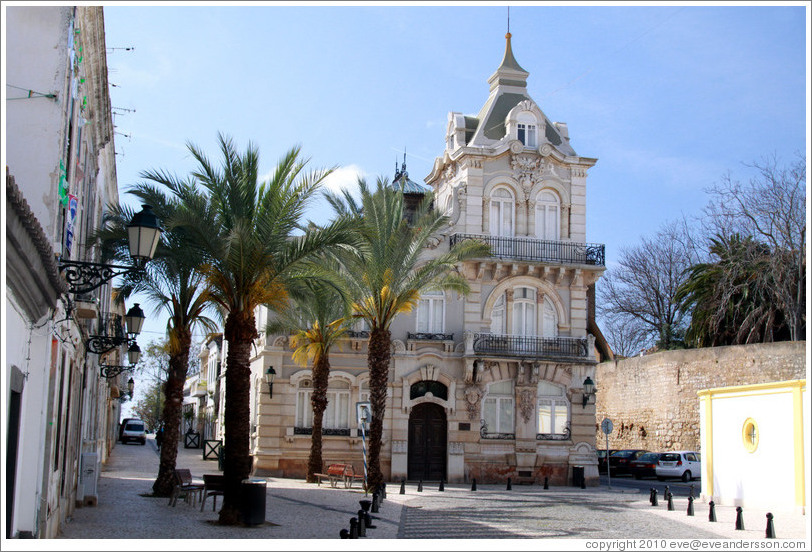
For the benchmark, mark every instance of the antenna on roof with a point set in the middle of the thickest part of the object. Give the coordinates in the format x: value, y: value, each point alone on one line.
x: 508, y: 19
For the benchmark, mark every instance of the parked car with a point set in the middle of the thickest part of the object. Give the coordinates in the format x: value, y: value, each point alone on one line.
x: 620, y: 460
x: 122, y: 426
x: 602, y: 456
x: 685, y: 464
x: 134, y: 430
x: 645, y: 465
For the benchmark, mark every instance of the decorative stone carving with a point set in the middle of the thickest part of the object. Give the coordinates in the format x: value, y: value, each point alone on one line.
x: 525, y: 170
x: 473, y: 396
x: 281, y: 341
x: 528, y: 373
x: 577, y: 172
x: 398, y: 347
x: 545, y: 150
x: 516, y: 146
x: 526, y: 403
x: 450, y: 171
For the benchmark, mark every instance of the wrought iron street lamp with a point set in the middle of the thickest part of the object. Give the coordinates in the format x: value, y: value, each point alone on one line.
x: 144, y: 233
x: 134, y: 319
x: 133, y: 353
x: 110, y: 371
x: 270, y: 374
x: 131, y: 386
x: 589, y: 390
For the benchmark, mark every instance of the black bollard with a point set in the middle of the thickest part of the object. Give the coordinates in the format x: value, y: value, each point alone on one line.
x: 375, y: 503
x: 691, y: 491
x: 420, y: 486
x: 509, y: 487
x: 712, y: 511
x: 383, y: 492
x: 690, y: 505
x: 353, y: 528
x: 770, y: 528
x: 546, y: 486
x: 651, y: 495
x: 739, y: 519
x: 666, y: 491
x: 670, y: 498
x: 654, y: 497
x: 473, y: 484
x: 362, y: 524
x: 402, y: 486
x: 365, y: 504
x: 344, y: 534
x: 442, y: 486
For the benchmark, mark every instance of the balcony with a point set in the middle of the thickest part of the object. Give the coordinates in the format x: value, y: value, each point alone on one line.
x: 540, y: 348
x: 539, y: 251
x: 427, y: 336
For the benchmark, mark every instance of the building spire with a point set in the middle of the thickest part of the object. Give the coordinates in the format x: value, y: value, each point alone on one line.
x: 509, y: 72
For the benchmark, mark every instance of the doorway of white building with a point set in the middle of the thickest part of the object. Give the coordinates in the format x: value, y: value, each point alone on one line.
x: 428, y: 443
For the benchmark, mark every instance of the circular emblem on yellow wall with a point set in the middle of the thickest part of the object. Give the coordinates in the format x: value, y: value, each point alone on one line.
x: 750, y: 435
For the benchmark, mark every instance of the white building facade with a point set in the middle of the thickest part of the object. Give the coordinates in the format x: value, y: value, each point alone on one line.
x: 59, y: 415
x: 487, y: 386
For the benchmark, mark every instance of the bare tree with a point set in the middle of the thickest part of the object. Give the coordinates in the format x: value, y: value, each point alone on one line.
x: 771, y: 208
x: 638, y: 294
x: 626, y: 335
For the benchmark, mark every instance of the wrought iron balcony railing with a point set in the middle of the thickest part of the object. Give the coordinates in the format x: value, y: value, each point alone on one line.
x: 540, y: 251
x: 576, y: 348
x: 430, y: 336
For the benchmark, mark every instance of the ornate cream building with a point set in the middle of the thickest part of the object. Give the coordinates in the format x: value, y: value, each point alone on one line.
x: 487, y: 386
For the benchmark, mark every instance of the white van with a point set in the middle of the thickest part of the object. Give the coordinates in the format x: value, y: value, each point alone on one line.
x: 134, y: 430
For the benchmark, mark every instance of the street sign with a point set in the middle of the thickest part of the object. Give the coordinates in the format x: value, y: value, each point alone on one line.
x: 606, y: 426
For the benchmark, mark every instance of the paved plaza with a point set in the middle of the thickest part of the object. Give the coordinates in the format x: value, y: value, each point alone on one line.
x: 298, y: 510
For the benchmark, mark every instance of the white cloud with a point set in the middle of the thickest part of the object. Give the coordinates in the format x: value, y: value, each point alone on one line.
x: 344, y: 178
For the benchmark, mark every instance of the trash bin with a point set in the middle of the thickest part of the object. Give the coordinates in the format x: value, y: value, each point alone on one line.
x: 253, y: 501
x: 577, y: 476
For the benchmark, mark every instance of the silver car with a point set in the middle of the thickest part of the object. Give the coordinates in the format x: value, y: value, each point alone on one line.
x: 684, y: 464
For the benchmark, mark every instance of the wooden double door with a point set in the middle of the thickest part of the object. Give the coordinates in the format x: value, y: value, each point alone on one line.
x: 428, y: 443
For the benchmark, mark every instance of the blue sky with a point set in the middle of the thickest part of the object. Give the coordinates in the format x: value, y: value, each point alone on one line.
x: 668, y: 98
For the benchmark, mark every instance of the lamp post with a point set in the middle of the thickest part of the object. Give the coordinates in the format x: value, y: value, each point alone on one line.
x: 144, y: 233
x: 270, y: 374
x: 131, y: 387
x: 589, y: 390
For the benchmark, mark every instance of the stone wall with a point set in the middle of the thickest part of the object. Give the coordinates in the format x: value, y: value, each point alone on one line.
x: 652, y: 400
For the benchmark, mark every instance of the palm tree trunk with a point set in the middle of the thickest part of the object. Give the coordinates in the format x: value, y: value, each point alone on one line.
x: 321, y: 373
x: 240, y: 331
x: 380, y: 343
x: 173, y: 393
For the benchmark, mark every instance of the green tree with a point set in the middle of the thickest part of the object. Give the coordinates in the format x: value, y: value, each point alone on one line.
x: 385, y: 274
x: 732, y: 300
x: 248, y: 233
x: 318, y: 318
x: 150, y: 408
x: 173, y: 284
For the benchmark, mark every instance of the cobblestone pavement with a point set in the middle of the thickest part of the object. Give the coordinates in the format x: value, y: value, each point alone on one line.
x: 298, y: 510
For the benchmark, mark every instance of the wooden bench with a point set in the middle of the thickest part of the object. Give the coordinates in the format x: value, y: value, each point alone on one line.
x: 340, y: 473
x: 184, y: 485
x: 214, y: 486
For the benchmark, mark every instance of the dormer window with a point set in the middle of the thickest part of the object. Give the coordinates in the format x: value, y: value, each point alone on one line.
x: 527, y: 131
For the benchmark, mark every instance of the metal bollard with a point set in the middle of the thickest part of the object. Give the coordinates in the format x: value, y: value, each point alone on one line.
x: 739, y: 519
x: 368, y: 521
x: 383, y: 492
x: 654, y: 497
x: 473, y: 484
x: 670, y: 498
x: 651, y: 495
x: 353, y: 528
x: 509, y: 487
x: 362, y: 524
x: 365, y: 504
x: 442, y: 485
x: 402, y: 486
x: 770, y: 528
x: 546, y: 486
x: 420, y: 486
x: 375, y: 503
x: 344, y: 534
x: 690, y: 505
x: 691, y: 491
x: 712, y: 511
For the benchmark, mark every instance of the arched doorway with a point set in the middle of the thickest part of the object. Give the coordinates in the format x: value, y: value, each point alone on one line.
x: 427, y: 442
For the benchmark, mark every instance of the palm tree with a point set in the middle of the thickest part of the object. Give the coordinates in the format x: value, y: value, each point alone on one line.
x: 246, y: 231
x: 385, y: 274
x: 732, y: 301
x: 318, y: 318
x: 171, y: 283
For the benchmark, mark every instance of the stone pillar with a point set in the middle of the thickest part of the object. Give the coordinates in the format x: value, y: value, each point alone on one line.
x: 400, y: 458
x: 456, y: 462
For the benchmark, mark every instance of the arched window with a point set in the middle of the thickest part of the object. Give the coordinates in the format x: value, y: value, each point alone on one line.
x: 420, y: 389
x: 337, y: 413
x: 548, y: 209
x: 549, y: 319
x: 553, y: 411
x: 498, y: 409
x: 498, y: 316
x: 502, y: 208
x: 431, y: 312
x: 527, y: 129
x: 524, y: 312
